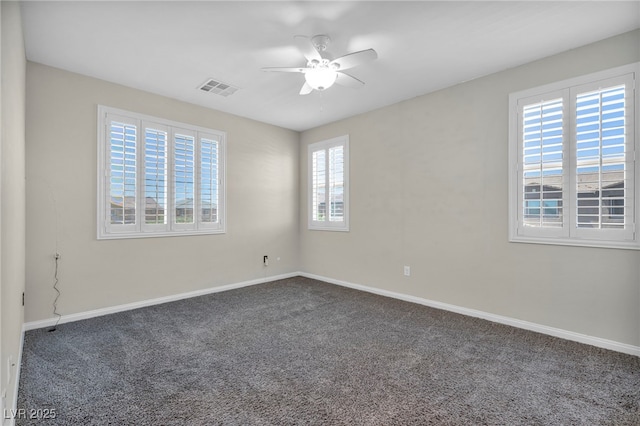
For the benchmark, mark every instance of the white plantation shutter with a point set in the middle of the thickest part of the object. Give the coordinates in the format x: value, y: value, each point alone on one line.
x: 211, y: 192
x: 328, y: 184
x: 575, y: 150
x: 155, y: 172
x: 158, y: 178
x: 336, y: 184
x: 604, y: 159
x: 318, y: 185
x: 542, y: 167
x: 121, y: 170
x: 184, y: 162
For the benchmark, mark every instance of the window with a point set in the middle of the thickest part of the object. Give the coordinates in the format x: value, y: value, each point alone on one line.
x: 158, y: 178
x: 328, y: 177
x: 574, y: 170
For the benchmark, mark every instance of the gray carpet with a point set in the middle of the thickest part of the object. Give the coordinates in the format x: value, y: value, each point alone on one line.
x: 299, y: 351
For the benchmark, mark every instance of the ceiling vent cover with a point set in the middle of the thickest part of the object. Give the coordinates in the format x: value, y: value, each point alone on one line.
x: 218, y: 87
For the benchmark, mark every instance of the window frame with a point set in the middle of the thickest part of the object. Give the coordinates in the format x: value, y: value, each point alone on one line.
x: 570, y: 234
x: 326, y: 145
x: 140, y: 229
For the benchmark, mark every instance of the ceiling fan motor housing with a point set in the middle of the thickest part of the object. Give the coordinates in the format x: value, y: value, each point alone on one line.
x: 320, y: 42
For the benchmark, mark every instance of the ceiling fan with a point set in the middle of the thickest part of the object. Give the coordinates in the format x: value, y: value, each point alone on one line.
x: 321, y: 72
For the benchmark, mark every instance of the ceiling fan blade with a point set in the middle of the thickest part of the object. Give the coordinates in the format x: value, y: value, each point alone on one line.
x: 353, y: 59
x: 307, y: 48
x: 284, y: 69
x: 306, y: 89
x: 347, y: 80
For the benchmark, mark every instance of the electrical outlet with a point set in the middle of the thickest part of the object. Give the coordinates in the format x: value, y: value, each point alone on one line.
x: 407, y: 271
x: 265, y: 260
x: 57, y: 256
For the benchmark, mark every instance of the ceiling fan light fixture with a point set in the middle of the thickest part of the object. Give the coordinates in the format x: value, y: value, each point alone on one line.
x: 320, y: 78
x: 321, y: 72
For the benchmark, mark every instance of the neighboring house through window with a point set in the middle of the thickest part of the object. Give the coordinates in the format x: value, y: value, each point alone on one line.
x: 574, y: 168
x: 328, y: 177
x: 157, y: 177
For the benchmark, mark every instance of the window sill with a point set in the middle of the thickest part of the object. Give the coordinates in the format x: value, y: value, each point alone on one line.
x: 622, y: 245
x: 124, y: 236
x: 327, y: 228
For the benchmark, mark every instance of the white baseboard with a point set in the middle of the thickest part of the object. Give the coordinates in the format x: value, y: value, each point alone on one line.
x: 526, y: 325
x: 12, y: 422
x: 143, y: 303
x: 8, y: 414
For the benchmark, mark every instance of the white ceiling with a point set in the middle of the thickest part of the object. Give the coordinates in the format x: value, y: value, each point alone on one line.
x: 170, y: 48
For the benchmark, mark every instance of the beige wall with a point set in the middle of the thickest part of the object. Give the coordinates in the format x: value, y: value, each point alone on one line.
x: 262, y: 202
x: 12, y: 191
x: 409, y: 206
x: 429, y: 189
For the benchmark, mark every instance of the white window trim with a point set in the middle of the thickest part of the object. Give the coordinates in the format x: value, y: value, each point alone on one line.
x: 515, y: 205
x: 140, y: 230
x: 327, y: 225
